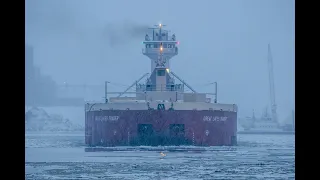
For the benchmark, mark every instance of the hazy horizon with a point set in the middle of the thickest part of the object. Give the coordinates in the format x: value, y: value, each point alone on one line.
x: 89, y: 42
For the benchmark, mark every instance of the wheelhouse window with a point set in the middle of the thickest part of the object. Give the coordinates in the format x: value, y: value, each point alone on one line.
x: 161, y: 72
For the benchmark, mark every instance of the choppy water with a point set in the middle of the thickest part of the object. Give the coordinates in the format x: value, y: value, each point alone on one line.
x: 62, y: 156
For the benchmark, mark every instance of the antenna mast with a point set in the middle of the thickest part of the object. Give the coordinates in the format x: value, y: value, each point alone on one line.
x: 272, y: 88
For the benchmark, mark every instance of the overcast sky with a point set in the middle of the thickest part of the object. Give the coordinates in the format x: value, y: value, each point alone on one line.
x: 90, y: 41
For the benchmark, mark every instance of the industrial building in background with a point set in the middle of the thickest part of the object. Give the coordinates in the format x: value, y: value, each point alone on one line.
x: 40, y: 89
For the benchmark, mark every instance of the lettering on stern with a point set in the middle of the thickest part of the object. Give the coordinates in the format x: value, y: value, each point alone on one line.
x: 215, y: 118
x: 107, y: 118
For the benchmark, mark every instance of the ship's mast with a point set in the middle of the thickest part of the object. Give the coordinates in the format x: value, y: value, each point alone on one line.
x: 161, y: 62
x: 271, y: 86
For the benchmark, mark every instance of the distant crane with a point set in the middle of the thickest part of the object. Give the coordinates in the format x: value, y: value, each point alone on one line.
x: 271, y: 85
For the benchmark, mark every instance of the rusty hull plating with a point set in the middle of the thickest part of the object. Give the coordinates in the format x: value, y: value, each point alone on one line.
x: 161, y: 113
x: 160, y: 127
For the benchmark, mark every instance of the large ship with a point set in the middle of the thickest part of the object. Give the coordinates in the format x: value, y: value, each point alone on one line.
x: 160, y: 112
x: 265, y: 125
x: 268, y: 123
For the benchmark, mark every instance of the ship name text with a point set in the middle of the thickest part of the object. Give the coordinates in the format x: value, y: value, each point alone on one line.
x: 107, y: 118
x: 214, y: 118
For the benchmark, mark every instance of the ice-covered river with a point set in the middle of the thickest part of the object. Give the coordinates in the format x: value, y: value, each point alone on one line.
x: 63, y: 156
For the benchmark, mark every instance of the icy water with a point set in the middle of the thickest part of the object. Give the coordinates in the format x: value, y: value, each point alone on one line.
x: 63, y: 156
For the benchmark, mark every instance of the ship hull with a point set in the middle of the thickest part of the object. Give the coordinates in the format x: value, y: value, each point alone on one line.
x: 161, y: 127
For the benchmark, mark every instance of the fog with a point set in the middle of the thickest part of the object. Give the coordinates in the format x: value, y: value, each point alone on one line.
x: 91, y: 41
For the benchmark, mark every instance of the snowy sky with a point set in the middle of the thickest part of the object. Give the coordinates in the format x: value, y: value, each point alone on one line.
x: 90, y: 41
